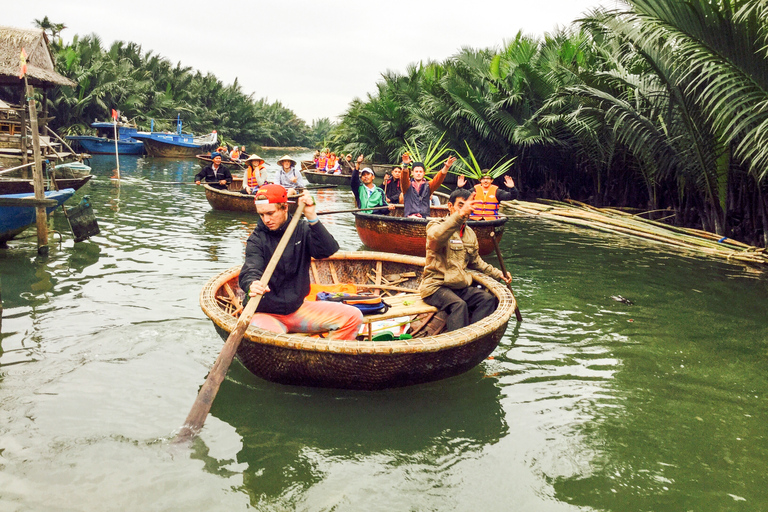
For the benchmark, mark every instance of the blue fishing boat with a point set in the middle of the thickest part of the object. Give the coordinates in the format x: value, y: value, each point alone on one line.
x: 104, y: 143
x: 176, y: 145
x: 15, y: 219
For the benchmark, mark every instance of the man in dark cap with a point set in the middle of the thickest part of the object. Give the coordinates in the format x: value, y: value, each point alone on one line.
x: 215, y: 175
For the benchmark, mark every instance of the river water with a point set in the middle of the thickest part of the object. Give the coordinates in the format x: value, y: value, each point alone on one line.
x: 589, y: 404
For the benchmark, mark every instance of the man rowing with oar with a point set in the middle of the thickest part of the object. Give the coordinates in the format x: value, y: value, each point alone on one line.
x: 282, y: 307
x: 215, y: 175
x: 452, y: 248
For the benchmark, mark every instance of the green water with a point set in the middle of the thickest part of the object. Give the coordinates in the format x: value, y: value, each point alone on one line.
x: 589, y: 404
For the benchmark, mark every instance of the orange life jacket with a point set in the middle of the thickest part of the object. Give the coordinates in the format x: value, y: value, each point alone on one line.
x: 250, y: 175
x: 488, y: 208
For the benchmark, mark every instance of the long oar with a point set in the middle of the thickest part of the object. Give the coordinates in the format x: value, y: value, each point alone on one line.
x: 202, y: 405
x: 504, y: 269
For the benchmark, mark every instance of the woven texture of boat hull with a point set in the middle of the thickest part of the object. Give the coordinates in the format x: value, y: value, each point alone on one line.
x: 409, y: 235
x: 360, y: 364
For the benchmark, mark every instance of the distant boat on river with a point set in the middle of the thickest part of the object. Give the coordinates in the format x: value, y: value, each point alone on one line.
x: 176, y: 145
x: 103, y: 144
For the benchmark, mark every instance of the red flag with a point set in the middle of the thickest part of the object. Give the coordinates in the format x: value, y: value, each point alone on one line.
x: 22, y: 63
x: 114, y: 114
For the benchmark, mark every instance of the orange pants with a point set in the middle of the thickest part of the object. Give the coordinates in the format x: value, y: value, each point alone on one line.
x: 315, y: 316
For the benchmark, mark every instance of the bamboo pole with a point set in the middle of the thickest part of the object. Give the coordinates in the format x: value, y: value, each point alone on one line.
x: 614, y: 221
x: 117, y: 155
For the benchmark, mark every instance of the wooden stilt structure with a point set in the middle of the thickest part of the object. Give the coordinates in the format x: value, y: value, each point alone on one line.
x: 37, y: 172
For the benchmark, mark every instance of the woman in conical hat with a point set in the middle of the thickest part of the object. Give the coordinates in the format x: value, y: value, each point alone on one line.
x: 255, y: 174
x: 290, y: 177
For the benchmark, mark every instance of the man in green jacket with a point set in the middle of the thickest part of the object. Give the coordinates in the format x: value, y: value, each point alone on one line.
x: 366, y: 193
x: 452, y: 248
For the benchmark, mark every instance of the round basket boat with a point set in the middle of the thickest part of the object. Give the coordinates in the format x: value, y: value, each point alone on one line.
x: 233, y: 200
x: 408, y: 235
x: 302, y: 360
x: 321, y: 178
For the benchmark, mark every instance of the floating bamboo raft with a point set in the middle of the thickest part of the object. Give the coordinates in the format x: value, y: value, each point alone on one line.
x: 616, y: 221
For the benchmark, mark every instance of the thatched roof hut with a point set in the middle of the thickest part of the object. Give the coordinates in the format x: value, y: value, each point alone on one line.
x: 40, y: 68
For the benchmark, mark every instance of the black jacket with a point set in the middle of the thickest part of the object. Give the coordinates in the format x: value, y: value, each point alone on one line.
x: 207, y: 175
x: 289, y: 283
x: 392, y: 190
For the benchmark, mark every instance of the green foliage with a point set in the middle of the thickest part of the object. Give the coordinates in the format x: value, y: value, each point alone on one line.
x: 471, y: 168
x: 430, y: 155
x: 657, y: 105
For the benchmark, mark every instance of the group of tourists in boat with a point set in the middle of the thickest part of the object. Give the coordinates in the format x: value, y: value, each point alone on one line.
x: 329, y: 163
x: 219, y: 177
x: 345, y: 319
x: 451, y: 249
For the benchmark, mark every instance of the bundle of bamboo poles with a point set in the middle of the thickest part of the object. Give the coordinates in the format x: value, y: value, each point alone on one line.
x: 616, y: 221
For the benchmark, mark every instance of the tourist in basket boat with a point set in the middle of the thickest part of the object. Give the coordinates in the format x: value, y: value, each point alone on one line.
x: 417, y: 191
x: 283, y: 308
x: 487, y: 195
x: 366, y: 193
x: 452, y: 248
x: 290, y: 177
x: 255, y: 174
x: 215, y: 175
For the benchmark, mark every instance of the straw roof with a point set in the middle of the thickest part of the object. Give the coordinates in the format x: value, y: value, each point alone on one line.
x: 40, y: 67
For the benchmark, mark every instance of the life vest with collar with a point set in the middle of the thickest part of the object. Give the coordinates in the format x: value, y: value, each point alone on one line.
x: 488, y: 207
x: 251, y: 175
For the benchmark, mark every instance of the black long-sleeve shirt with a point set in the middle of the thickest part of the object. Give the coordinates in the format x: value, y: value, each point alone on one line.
x: 212, y: 178
x: 289, y: 283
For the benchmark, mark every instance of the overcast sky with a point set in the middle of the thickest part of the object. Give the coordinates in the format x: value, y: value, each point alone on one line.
x: 313, y: 56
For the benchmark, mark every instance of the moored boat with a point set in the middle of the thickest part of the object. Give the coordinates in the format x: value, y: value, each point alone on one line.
x: 408, y: 235
x: 303, y: 360
x: 15, y: 219
x: 103, y: 143
x: 70, y: 175
x: 176, y: 145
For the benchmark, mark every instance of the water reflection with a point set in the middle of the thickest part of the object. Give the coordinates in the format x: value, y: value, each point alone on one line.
x: 284, y: 429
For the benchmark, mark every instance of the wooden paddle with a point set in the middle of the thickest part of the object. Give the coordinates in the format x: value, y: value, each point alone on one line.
x: 202, y: 405
x: 504, y: 269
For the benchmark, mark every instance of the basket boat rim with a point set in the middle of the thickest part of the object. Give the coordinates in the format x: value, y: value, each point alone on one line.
x: 466, y: 335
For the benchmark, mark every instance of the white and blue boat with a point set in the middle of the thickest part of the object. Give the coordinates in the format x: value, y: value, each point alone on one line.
x: 104, y: 143
x: 15, y: 219
x: 176, y: 145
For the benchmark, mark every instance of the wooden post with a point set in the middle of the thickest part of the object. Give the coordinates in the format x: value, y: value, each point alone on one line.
x: 37, y: 173
x: 23, y: 121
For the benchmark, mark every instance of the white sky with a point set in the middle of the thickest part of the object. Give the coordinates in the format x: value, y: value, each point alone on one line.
x: 313, y: 56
